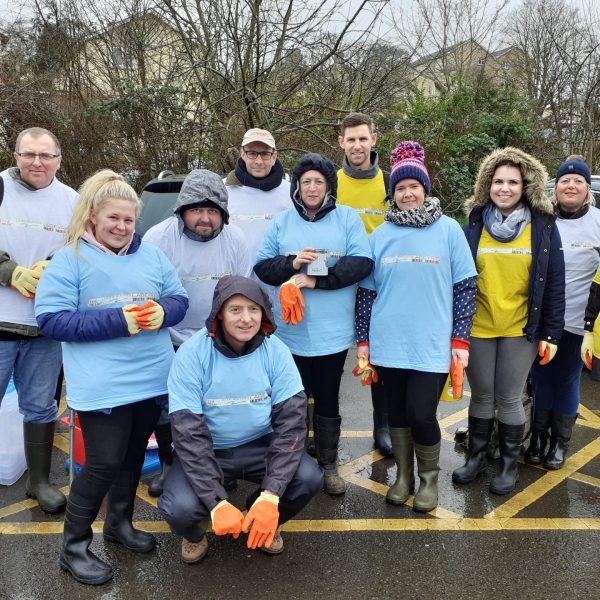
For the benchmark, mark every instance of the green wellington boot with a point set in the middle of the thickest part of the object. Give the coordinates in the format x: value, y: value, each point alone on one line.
x: 402, y: 447
x: 428, y: 467
x: 39, y: 440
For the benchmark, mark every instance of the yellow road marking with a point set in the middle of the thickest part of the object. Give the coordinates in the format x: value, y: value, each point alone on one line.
x: 17, y: 507
x: 588, y: 415
x: 546, y: 483
x: 142, y: 492
x: 586, y: 479
x: 327, y: 525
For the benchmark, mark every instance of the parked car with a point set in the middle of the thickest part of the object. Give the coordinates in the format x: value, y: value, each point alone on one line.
x: 158, y: 200
x: 595, y: 188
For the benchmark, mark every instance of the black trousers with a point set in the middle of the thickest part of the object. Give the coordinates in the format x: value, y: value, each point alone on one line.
x: 115, y: 448
x: 187, y: 515
x: 413, y: 397
x: 321, y: 376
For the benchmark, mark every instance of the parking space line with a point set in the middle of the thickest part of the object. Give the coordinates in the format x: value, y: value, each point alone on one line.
x: 547, y: 482
x: 588, y: 415
x: 594, y: 481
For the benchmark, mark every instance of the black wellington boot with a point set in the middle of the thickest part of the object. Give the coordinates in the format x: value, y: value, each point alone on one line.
x: 536, y: 452
x: 39, y: 440
x: 118, y: 527
x: 381, y: 431
x: 164, y: 439
x: 327, y: 431
x: 75, y: 556
x: 510, y: 438
x: 561, y: 428
x: 480, y: 431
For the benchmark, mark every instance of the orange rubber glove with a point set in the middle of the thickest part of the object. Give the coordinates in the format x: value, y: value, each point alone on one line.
x: 547, y: 351
x: 151, y: 316
x: 226, y: 518
x: 25, y: 281
x: 292, y: 302
x: 366, y: 371
x: 262, y: 520
x: 457, y: 377
x: 587, y: 348
x: 130, y: 311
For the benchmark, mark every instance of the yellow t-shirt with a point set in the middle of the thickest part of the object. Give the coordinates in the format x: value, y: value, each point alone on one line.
x: 502, y: 285
x: 366, y: 196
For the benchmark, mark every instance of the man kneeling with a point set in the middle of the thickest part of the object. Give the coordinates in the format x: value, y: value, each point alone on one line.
x: 238, y: 411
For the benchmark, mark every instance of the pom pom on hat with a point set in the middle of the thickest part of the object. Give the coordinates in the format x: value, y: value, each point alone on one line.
x: 406, y: 150
x: 408, y: 162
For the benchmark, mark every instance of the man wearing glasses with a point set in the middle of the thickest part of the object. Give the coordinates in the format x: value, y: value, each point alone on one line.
x: 257, y: 190
x: 35, y: 210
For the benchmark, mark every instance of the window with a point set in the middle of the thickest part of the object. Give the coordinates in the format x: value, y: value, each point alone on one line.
x: 122, y: 59
x: 481, y: 61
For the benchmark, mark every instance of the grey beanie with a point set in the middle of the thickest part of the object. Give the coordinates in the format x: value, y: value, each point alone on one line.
x: 202, y: 186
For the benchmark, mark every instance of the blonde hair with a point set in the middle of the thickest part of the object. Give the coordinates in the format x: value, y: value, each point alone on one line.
x: 94, y: 193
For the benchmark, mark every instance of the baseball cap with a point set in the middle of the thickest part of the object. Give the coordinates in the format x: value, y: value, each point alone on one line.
x: 258, y: 135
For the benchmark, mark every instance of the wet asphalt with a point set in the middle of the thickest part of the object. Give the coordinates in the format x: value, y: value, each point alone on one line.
x: 541, y: 542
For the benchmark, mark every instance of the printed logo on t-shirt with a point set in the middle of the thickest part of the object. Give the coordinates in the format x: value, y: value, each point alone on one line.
x: 118, y: 298
x: 251, y: 217
x: 328, y: 253
x: 370, y: 211
x: 209, y: 277
x: 521, y: 251
x: 220, y: 402
x: 33, y: 225
x: 410, y: 258
x: 576, y: 244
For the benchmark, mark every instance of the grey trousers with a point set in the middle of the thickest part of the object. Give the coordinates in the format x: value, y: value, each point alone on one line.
x: 497, y: 373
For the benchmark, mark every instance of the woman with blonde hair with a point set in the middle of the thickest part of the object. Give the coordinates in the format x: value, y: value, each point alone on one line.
x: 109, y: 299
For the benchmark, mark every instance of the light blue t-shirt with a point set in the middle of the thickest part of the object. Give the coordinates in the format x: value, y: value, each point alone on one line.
x: 415, y: 269
x: 328, y: 323
x: 235, y: 394
x: 108, y: 373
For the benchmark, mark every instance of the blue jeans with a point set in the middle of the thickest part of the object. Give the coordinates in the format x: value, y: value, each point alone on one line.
x: 556, y: 385
x: 187, y: 515
x: 35, y: 365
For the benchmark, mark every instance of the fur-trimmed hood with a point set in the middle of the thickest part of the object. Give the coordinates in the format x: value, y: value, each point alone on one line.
x: 534, y: 175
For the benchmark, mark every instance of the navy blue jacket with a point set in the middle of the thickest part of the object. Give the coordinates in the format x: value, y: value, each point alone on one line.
x: 546, y: 298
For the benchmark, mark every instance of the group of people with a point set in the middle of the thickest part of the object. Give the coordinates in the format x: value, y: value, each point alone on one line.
x: 214, y: 328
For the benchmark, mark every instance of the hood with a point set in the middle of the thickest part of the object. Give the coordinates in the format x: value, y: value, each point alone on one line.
x: 203, y: 186
x: 314, y: 162
x: 235, y: 284
x: 534, y: 174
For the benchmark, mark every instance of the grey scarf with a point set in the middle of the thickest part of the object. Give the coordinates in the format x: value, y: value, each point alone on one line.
x: 369, y: 173
x: 506, y: 229
x: 419, y: 217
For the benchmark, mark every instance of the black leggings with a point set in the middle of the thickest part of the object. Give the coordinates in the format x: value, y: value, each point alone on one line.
x: 321, y: 377
x: 115, y: 448
x: 413, y: 398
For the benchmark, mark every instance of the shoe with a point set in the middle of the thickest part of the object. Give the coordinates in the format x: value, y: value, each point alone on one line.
x: 381, y: 432
x: 155, y: 489
x: 118, y: 527
x: 402, y: 446
x: 510, y: 438
x: 327, y: 436
x: 333, y: 484
x: 75, y: 555
x: 561, y: 427
x: 536, y: 452
x: 480, y: 431
x: 428, y: 468
x: 193, y: 552
x: 38, y: 442
x: 276, y: 546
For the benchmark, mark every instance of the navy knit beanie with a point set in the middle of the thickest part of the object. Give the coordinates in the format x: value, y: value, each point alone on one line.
x: 574, y: 166
x: 408, y: 162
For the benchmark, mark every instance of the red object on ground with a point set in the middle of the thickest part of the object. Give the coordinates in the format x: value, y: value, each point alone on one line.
x: 79, y: 450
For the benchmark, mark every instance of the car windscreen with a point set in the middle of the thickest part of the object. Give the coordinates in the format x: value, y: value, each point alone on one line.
x: 156, y: 208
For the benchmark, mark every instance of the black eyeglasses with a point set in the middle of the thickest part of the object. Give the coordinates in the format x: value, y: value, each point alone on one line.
x: 252, y: 154
x: 31, y: 156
